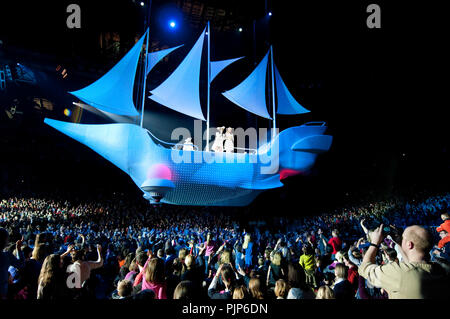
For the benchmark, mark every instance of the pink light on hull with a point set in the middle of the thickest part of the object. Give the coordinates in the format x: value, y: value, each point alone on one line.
x: 284, y: 173
x: 159, y: 171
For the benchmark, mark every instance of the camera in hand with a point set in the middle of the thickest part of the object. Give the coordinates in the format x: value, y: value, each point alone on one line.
x: 394, y: 232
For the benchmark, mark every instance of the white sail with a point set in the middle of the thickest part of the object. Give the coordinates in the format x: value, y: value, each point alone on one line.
x: 218, y: 66
x: 181, y: 90
x: 250, y: 94
x: 155, y: 57
x: 287, y: 104
x: 113, y: 92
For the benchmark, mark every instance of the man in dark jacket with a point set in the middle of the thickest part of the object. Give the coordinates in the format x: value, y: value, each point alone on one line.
x: 342, y: 287
x: 228, y: 278
x: 170, y: 256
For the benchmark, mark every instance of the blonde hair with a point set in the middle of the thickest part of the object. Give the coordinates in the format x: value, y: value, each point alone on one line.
x: 134, y: 266
x: 225, y: 257
x: 247, y: 239
x: 254, y: 285
x: 241, y: 292
x: 340, y: 257
x: 341, y: 271
x: 154, y: 273
x: 325, y: 292
x: 281, y: 288
x: 189, y: 261
x: 183, y: 290
x: 276, y: 258
x: 49, y: 270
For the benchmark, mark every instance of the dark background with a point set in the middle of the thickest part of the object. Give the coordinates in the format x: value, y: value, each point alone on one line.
x: 377, y: 89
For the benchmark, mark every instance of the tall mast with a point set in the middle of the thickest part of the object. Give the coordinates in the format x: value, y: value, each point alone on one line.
x: 207, y: 100
x: 273, y: 94
x: 145, y: 63
x: 254, y: 64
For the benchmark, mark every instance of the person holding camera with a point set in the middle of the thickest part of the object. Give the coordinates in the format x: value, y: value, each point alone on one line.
x: 413, y: 278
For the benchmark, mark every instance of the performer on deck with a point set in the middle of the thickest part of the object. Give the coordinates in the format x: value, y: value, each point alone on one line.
x: 218, y: 142
x: 188, y: 146
x: 229, y: 141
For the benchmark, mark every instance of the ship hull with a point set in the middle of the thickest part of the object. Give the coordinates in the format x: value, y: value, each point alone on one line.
x: 201, y: 178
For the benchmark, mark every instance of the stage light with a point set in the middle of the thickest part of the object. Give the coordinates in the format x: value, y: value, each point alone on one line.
x: 240, y: 29
x: 67, y: 112
x: 172, y: 24
x: 142, y: 4
x: 270, y: 14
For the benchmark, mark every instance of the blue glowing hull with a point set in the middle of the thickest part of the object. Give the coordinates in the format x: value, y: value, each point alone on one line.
x: 202, y: 178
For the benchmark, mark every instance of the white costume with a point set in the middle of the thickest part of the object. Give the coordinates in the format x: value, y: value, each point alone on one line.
x: 188, y: 146
x: 218, y: 142
x: 229, y: 141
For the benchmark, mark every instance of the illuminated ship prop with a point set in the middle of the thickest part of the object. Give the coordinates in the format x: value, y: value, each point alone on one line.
x: 173, y: 176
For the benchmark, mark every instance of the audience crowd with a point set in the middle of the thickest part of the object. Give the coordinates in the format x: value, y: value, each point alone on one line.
x: 62, y: 249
